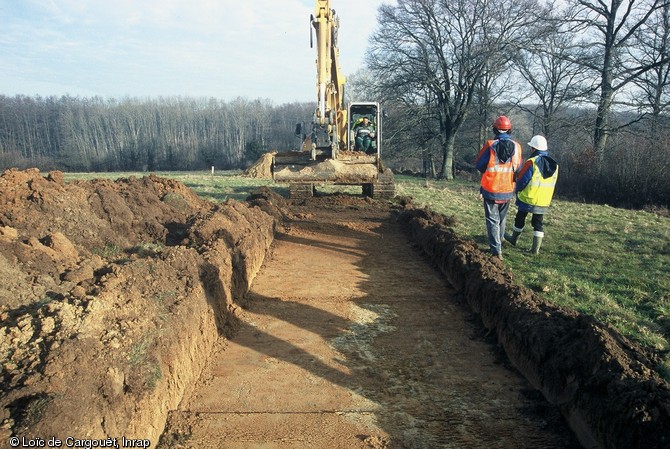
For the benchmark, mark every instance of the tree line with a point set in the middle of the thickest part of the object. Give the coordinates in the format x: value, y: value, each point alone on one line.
x: 95, y: 134
x: 591, y: 76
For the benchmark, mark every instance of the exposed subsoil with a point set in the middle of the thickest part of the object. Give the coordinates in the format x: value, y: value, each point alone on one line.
x: 133, y: 308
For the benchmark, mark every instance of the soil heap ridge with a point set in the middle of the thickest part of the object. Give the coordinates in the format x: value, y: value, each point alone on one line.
x: 605, y: 385
x: 113, y: 295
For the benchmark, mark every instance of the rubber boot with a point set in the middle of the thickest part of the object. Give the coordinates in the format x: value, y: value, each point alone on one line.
x: 514, y: 236
x: 537, y: 242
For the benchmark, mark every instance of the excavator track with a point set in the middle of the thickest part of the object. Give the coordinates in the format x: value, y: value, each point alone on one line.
x: 384, y: 187
x: 300, y: 190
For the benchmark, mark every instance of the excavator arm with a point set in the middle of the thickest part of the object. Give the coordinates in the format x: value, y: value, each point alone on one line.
x: 330, y: 116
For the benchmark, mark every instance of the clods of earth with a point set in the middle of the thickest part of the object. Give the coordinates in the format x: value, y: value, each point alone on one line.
x: 115, y: 293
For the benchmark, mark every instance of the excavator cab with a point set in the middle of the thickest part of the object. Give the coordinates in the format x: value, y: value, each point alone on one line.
x: 356, y: 113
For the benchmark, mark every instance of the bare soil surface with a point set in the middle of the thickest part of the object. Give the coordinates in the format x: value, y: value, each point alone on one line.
x: 352, y: 340
x: 134, y: 309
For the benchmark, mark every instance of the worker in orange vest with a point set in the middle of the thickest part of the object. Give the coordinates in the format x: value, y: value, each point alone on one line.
x: 497, y: 161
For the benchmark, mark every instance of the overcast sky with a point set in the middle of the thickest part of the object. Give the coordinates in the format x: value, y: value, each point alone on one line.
x: 192, y: 48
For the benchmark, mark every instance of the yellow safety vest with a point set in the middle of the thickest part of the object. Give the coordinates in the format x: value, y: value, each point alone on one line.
x: 539, y: 191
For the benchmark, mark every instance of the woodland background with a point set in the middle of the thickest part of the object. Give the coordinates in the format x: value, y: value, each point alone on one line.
x: 593, y: 77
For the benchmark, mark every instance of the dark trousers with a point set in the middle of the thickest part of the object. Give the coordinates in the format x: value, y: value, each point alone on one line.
x: 536, y: 221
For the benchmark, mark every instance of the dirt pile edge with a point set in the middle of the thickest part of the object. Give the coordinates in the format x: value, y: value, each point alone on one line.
x: 604, y: 385
x: 116, y: 293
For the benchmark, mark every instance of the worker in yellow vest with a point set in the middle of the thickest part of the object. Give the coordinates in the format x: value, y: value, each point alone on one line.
x: 535, y: 184
x: 497, y: 161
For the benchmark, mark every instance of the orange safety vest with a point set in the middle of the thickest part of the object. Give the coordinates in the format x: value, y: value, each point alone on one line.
x: 498, y: 179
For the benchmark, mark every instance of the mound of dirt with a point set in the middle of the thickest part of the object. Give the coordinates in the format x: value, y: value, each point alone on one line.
x: 605, y: 386
x: 262, y: 168
x: 113, y: 295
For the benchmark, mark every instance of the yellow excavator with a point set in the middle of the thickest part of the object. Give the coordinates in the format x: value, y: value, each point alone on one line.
x: 341, y: 148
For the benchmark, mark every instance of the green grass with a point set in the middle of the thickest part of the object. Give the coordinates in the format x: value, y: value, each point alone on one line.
x: 109, y: 250
x: 613, y: 264
x: 217, y: 187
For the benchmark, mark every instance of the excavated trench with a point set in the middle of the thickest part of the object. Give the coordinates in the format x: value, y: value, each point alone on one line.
x: 135, y: 309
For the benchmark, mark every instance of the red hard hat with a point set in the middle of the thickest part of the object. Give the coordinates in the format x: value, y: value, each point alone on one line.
x: 502, y: 123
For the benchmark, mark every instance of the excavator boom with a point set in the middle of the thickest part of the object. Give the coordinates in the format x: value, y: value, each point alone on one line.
x: 330, y: 112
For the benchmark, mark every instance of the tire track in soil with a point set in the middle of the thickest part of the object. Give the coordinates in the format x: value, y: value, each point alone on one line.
x: 352, y: 340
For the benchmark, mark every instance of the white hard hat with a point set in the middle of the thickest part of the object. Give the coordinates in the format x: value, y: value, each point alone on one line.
x: 539, y: 143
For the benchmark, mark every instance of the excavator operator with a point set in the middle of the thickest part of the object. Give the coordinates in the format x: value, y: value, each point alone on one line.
x: 364, y: 132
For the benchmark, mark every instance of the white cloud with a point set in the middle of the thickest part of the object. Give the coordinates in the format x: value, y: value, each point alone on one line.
x: 219, y: 48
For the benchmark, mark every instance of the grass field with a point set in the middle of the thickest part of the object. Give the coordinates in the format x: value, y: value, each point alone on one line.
x: 610, y: 263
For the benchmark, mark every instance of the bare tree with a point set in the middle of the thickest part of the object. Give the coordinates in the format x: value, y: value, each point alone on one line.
x: 496, y: 88
x: 132, y: 134
x: 609, y: 29
x: 654, y: 85
x: 439, y: 51
x: 554, y: 77
x: 361, y: 86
